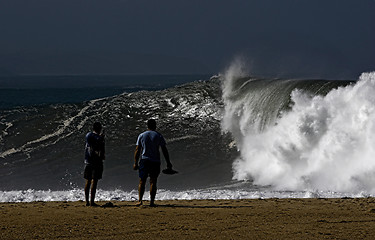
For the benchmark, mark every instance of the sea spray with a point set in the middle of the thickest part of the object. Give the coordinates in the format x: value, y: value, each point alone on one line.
x: 318, y: 142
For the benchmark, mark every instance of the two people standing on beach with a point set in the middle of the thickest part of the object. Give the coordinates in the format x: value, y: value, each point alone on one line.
x: 146, y: 160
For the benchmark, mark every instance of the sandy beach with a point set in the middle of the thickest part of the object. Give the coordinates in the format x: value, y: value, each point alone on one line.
x: 196, y: 219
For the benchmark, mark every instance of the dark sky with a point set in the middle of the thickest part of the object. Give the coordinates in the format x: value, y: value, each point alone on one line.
x: 298, y: 38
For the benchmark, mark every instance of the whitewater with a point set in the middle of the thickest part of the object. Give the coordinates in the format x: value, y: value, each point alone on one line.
x: 323, y: 143
x: 233, y: 136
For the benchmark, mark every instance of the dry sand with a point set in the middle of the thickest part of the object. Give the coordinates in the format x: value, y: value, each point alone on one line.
x: 196, y: 219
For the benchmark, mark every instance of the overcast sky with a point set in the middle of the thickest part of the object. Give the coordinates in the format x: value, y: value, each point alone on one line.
x: 299, y: 38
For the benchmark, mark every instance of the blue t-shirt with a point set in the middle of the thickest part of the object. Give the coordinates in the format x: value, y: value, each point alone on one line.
x: 94, y: 149
x: 150, y: 141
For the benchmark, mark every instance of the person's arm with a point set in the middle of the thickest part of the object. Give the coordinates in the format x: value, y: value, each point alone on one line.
x: 166, y: 156
x: 137, y: 153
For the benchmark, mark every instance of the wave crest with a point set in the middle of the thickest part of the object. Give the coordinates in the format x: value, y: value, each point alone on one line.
x: 322, y: 142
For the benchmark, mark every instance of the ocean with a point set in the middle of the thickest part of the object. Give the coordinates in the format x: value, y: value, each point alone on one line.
x: 230, y: 136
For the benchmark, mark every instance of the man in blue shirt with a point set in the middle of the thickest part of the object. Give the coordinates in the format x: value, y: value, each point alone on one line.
x: 147, y: 149
x: 94, y: 157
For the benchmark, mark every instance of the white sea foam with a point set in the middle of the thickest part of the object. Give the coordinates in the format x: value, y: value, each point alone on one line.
x: 120, y: 195
x: 171, y: 140
x: 5, y: 131
x: 194, y: 106
x: 8, y: 125
x: 59, y: 131
x: 324, y: 143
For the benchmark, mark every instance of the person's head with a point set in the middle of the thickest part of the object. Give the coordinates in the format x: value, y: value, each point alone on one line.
x: 97, y: 127
x: 151, y: 124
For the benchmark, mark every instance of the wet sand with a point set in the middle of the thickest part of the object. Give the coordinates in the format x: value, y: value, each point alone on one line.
x: 196, y: 219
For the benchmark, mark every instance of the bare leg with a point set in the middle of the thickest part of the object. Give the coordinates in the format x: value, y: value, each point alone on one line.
x: 141, y: 190
x: 93, y: 191
x: 87, y: 192
x: 153, y: 189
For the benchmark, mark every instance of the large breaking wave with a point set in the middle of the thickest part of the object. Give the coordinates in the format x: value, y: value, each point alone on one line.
x: 302, y: 135
x: 294, y: 138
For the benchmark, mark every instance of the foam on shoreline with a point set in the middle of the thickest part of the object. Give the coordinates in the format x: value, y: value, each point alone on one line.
x: 31, y: 195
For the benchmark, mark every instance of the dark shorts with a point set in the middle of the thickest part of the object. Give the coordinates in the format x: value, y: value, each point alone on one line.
x: 93, y: 172
x: 148, y: 169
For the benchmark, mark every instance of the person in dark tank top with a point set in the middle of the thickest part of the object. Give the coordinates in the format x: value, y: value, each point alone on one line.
x: 94, y: 157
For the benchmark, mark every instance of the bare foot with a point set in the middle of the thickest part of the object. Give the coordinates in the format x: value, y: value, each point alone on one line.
x: 138, y: 204
x: 153, y: 205
x: 94, y: 205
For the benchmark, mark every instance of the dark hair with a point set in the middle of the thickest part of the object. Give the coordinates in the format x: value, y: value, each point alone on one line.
x: 151, y: 124
x: 97, y: 127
